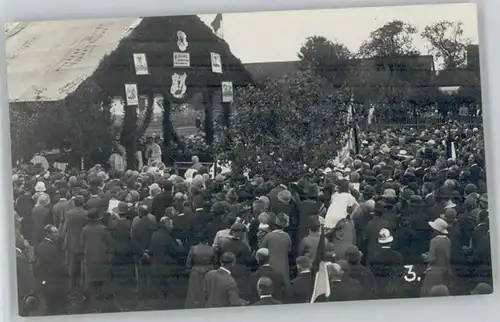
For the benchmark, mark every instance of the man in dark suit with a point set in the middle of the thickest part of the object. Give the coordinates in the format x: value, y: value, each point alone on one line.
x: 220, y: 289
x: 163, y: 200
x: 265, y: 270
x: 385, y: 264
x: 302, y: 286
x: 265, y: 289
x: 50, y: 271
x: 342, y: 287
x: 76, y: 219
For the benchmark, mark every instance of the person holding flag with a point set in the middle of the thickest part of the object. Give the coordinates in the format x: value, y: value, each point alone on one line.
x: 321, y: 286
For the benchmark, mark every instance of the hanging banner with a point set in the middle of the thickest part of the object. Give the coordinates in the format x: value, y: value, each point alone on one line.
x: 178, y: 88
x: 131, y: 94
x: 182, y: 60
x: 182, y: 42
x: 227, y: 92
x: 216, y: 63
x: 141, y: 64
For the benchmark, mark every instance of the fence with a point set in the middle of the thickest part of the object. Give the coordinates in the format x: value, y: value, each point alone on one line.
x: 181, y: 167
x: 424, y: 122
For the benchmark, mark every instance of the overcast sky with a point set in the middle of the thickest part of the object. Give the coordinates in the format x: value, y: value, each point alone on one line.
x: 277, y: 36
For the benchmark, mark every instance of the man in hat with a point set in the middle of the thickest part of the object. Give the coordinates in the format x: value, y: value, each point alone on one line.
x: 220, y: 288
x: 370, y: 245
x: 265, y: 290
x: 76, y: 219
x: 386, y: 263
x: 50, y: 271
x: 265, y: 270
x: 96, y: 247
x: 301, y: 287
x: 279, y: 244
x: 167, y: 257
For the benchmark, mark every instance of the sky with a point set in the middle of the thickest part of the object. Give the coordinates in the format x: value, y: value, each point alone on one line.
x: 278, y: 36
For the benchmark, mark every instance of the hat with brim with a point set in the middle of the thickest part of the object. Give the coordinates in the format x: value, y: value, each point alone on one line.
x: 282, y: 220
x: 40, y: 187
x: 439, y: 225
x: 122, y: 208
x: 285, y: 196
x: 94, y: 214
x: 385, y: 236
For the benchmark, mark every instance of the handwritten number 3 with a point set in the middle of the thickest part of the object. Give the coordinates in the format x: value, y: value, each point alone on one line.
x: 410, y: 275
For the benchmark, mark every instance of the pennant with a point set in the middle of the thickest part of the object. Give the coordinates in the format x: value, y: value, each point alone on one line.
x: 131, y: 94
x: 217, y: 23
x: 227, y: 92
x: 181, y: 60
x: 319, y: 271
x: 216, y: 63
x: 141, y: 64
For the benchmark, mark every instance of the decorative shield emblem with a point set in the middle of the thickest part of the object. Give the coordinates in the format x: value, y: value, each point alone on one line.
x: 131, y: 94
x: 182, y: 42
x: 178, y: 88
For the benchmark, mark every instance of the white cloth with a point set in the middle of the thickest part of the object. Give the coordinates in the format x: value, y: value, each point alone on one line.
x: 117, y: 162
x: 153, y: 153
x: 189, y: 173
x: 42, y: 160
x: 338, y: 208
x: 138, y: 156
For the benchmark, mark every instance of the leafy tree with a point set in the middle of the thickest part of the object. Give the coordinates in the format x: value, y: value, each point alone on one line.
x: 448, y: 43
x: 283, y: 124
x: 328, y: 59
x: 395, y: 38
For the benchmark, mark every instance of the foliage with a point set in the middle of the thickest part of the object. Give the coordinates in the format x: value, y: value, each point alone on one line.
x: 392, y: 39
x: 448, y: 43
x: 281, y: 125
x: 331, y: 60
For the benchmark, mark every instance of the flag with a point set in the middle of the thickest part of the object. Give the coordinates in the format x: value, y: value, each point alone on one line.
x: 453, y: 151
x: 217, y: 25
x: 370, y: 114
x: 318, y: 270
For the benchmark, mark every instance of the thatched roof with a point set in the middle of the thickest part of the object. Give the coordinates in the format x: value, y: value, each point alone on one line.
x: 52, y: 58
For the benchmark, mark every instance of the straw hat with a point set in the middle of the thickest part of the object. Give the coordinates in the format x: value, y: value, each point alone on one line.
x: 439, y: 225
x: 384, y: 236
x: 40, y: 187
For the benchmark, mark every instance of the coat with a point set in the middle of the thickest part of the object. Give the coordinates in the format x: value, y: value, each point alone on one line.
x: 200, y: 260
x: 279, y: 244
x: 365, y: 277
x: 347, y: 289
x: 370, y: 244
x: 96, y: 244
x: 50, y: 265
x: 166, y: 254
x: 301, y: 288
x: 309, y: 245
x: 220, y: 289
x: 279, y: 287
x: 240, y: 270
x: 41, y: 217
x: 307, y: 209
x: 267, y: 300
x: 141, y: 231
x: 76, y: 219
x: 384, y: 265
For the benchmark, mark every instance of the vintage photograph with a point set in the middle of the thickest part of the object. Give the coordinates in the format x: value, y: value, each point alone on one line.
x: 246, y: 159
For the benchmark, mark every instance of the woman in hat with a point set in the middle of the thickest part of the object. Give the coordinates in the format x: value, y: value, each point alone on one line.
x: 279, y: 244
x: 438, y: 258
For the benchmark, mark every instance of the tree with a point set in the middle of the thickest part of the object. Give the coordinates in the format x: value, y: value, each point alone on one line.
x: 281, y: 125
x: 395, y: 38
x: 326, y: 58
x: 448, y: 43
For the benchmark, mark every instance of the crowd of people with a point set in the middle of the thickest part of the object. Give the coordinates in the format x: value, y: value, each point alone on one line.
x: 407, y: 216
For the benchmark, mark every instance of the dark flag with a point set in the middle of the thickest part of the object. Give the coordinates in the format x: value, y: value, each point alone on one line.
x: 217, y: 23
x: 321, y: 288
